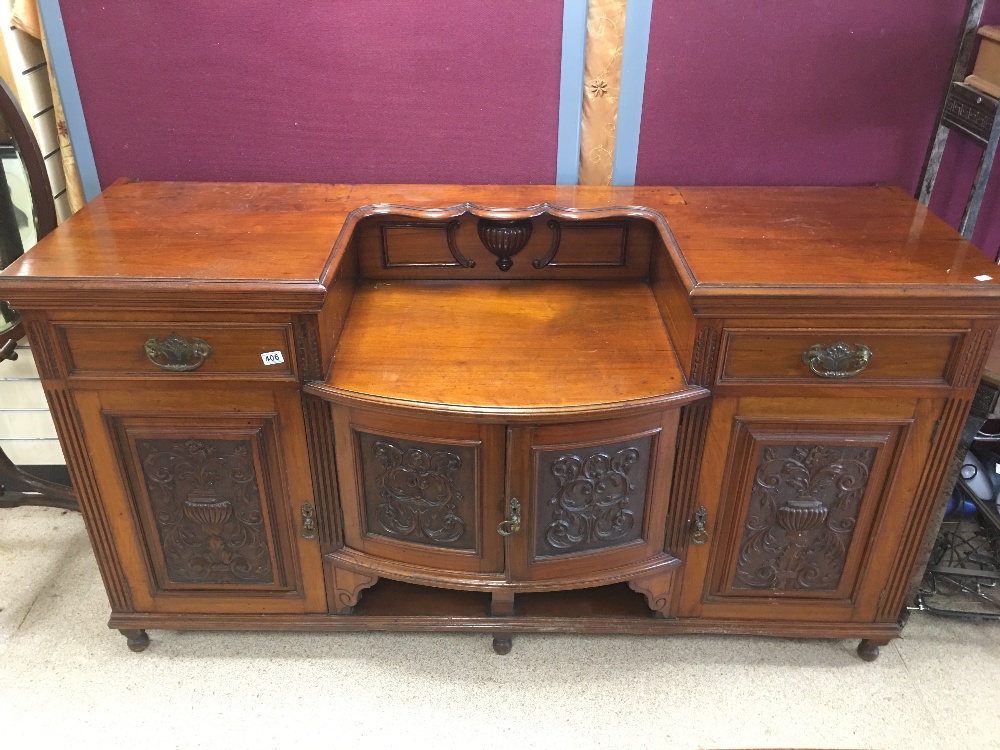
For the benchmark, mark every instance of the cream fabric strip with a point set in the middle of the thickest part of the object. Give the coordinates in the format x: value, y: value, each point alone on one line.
x: 602, y: 82
x: 74, y: 187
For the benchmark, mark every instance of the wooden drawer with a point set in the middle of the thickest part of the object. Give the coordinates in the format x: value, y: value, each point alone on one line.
x: 897, y: 357
x: 110, y: 349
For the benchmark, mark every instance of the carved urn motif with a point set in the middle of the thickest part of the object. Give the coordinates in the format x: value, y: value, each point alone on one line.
x: 504, y: 239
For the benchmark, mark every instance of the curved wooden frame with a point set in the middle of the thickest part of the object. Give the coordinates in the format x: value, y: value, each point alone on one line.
x: 34, y: 163
x: 40, y: 492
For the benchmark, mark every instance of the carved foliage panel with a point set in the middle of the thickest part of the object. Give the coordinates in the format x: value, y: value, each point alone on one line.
x: 205, y: 503
x: 421, y: 492
x: 802, y: 504
x: 591, y: 497
x: 803, y: 511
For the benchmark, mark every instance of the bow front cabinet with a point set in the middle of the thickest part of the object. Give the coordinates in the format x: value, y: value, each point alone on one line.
x: 508, y: 409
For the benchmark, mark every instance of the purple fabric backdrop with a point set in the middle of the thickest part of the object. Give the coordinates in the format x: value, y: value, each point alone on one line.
x: 319, y: 90
x: 805, y: 92
x: 770, y: 92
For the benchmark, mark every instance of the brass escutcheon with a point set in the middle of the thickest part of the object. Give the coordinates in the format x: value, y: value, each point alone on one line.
x: 513, y: 523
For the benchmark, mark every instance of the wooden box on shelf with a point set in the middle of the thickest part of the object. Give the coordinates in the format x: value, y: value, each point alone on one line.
x: 985, y: 74
x: 508, y: 409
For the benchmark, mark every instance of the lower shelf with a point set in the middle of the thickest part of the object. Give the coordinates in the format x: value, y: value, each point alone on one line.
x: 393, y: 606
x: 393, y: 599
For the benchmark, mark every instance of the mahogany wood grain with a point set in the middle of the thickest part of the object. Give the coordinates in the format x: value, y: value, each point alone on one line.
x: 554, y: 470
x: 399, y: 247
x: 898, y: 357
x: 873, y: 239
x: 471, y: 453
x: 116, y: 349
x: 516, y: 350
x: 719, y: 291
x: 731, y: 472
x: 192, y: 419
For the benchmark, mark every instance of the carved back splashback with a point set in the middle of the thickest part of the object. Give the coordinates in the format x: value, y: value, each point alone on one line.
x: 479, y: 243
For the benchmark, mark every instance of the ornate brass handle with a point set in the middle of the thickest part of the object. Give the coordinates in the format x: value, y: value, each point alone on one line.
x: 837, y: 361
x: 176, y: 353
x: 699, y: 535
x: 513, y: 523
x: 308, y: 521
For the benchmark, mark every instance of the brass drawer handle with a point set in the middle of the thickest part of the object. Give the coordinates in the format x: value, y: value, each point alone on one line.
x: 176, y: 353
x: 700, y: 533
x: 308, y: 521
x: 513, y: 523
x: 837, y: 361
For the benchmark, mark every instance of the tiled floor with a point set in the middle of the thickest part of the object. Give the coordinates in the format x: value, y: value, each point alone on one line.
x: 65, y: 677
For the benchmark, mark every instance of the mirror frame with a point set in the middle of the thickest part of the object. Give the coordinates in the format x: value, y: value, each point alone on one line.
x: 38, y: 491
x: 42, y: 202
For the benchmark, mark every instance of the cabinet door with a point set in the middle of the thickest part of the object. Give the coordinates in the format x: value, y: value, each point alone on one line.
x: 207, y: 490
x: 593, y: 499
x: 804, y: 511
x: 420, y: 497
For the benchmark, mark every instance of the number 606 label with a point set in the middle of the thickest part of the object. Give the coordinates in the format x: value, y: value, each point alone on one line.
x: 272, y: 358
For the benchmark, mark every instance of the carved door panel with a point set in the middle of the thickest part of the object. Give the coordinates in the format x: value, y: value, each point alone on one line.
x: 807, y: 509
x: 211, y: 487
x: 419, y: 496
x: 593, y: 498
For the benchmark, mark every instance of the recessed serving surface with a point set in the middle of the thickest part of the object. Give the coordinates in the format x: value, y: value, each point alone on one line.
x: 506, y: 347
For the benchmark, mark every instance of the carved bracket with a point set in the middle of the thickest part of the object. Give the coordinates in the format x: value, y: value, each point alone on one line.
x: 656, y: 589
x: 345, y: 589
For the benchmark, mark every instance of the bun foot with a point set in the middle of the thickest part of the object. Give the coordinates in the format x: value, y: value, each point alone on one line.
x: 502, y: 644
x: 137, y: 641
x: 868, y: 649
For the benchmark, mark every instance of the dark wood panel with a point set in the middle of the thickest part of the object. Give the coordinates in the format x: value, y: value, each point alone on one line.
x: 591, y: 496
x: 206, y: 499
x: 802, y: 516
x: 419, y: 492
x: 557, y: 247
x: 593, y: 499
x: 802, y: 508
x: 423, y: 493
x: 266, y: 486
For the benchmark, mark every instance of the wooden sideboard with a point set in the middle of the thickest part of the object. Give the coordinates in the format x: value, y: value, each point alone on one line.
x: 508, y: 409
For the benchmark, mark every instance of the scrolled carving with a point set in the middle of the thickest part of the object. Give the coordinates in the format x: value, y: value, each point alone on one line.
x: 451, y: 232
x: 419, y: 497
x: 556, y: 228
x: 803, y: 509
x: 207, y: 510
x: 592, y: 505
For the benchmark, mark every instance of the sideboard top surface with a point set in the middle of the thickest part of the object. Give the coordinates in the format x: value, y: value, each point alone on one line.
x: 150, y: 243
x: 506, y: 348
